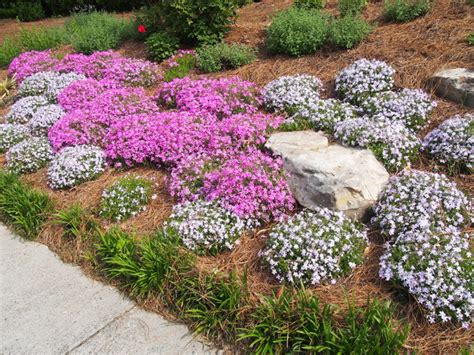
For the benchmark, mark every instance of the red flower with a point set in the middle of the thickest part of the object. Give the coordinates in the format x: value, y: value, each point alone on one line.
x: 141, y: 29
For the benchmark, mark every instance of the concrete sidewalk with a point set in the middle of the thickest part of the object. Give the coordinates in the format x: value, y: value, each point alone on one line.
x: 48, y: 307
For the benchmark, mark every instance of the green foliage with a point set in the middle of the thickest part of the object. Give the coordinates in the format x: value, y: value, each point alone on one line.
x: 298, y: 323
x: 9, y: 49
x: 297, y: 32
x: 351, y: 7
x: 161, y: 46
x: 192, y: 21
x: 185, y: 64
x: 28, y: 11
x: 40, y: 38
x: 346, y: 32
x: 310, y: 4
x: 96, y: 31
x: 405, y: 10
x: 21, y: 206
x: 75, y: 222
x: 221, y: 56
x: 470, y: 39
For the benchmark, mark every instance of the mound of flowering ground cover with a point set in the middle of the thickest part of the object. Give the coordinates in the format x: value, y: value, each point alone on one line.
x: 11, y: 134
x: 48, y: 84
x: 217, y: 97
x: 44, y: 118
x: 207, y: 228
x: 289, y: 92
x: 314, y: 247
x: 452, y: 143
x: 29, y: 155
x: 364, y: 78
x: 392, y: 142
x: 22, y: 111
x: 29, y: 63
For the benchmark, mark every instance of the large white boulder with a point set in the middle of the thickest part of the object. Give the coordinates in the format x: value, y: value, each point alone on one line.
x: 323, y: 174
x: 455, y: 84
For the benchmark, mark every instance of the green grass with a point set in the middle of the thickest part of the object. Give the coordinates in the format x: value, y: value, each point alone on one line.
x: 185, y: 65
x: 76, y: 222
x: 222, y: 56
x: 9, y: 49
x: 21, y: 206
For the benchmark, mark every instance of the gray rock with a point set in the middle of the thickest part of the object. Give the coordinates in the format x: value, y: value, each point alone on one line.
x: 329, y: 175
x: 455, y: 84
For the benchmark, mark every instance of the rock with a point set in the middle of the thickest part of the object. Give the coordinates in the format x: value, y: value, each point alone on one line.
x: 329, y: 175
x: 455, y: 84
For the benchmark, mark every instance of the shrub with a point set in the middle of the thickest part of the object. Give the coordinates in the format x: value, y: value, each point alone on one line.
x: 41, y: 38
x: 297, y: 32
x: 179, y: 65
x: 470, y: 41
x: 410, y: 107
x: 287, y: 93
x: 161, y: 46
x: 451, y: 143
x: 391, y: 142
x: 206, y: 227
x: 351, y: 7
x: 44, y: 118
x: 125, y: 198
x: 29, y: 155
x: 11, y: 134
x: 346, y: 32
x: 75, y: 165
x: 29, y: 10
x: 24, y: 208
x: 222, y: 56
x: 320, y: 115
x: 417, y: 199
x: 48, y: 83
x: 310, y: 4
x: 299, y: 323
x: 75, y: 222
x: 22, y: 111
x: 314, y: 247
x: 364, y: 78
x: 9, y: 49
x: 405, y: 10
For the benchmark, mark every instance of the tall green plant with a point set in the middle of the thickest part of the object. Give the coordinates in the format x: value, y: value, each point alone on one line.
x: 351, y: 7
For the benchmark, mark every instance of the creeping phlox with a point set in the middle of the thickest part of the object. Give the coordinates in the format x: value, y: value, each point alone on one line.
x: 314, y: 247
x: 393, y: 143
x: 29, y: 155
x: 29, y: 63
x: 408, y: 106
x: 48, y: 84
x: 429, y: 255
x: 22, y: 111
x: 125, y: 198
x: 452, y: 143
x: 44, y: 118
x: 321, y: 115
x: 289, y: 92
x: 206, y: 227
x: 11, y: 134
x: 75, y: 165
x: 364, y: 78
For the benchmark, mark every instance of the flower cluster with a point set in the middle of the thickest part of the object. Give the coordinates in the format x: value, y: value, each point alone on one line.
x: 321, y: 115
x: 206, y: 227
x: 92, y: 66
x: 125, y: 198
x: 391, y: 142
x: 410, y: 107
x: 47, y: 83
x: 22, y: 111
x: 288, y: 92
x: 29, y: 155
x: 11, y: 134
x: 421, y: 199
x: 29, y: 63
x: 217, y: 97
x: 364, y: 78
x: 44, y: 118
x: 74, y: 165
x: 314, y: 247
x: 173, y: 61
x: 133, y: 72
x: 452, y: 143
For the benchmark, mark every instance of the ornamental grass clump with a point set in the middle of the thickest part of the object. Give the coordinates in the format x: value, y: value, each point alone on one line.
x: 412, y: 107
x: 392, y: 143
x: 75, y: 165
x: 206, y: 227
x: 22, y: 111
x: 417, y: 199
x: 29, y: 155
x: 125, y: 198
x: 320, y: 115
x: 48, y: 84
x: 314, y: 247
x: 11, y: 134
x: 452, y: 143
x: 44, y: 118
x: 364, y: 78
x: 287, y: 93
